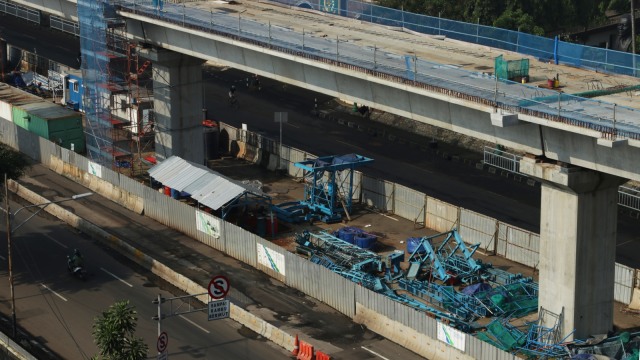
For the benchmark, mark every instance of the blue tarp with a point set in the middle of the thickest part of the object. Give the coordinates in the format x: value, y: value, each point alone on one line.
x: 476, y: 288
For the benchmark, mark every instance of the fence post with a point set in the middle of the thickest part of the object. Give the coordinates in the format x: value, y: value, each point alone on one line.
x: 375, y: 50
x: 302, y: 39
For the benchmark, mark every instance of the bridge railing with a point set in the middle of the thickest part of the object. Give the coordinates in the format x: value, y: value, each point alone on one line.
x: 20, y: 11
x: 546, y: 49
x: 63, y: 25
x: 611, y: 120
x: 627, y: 196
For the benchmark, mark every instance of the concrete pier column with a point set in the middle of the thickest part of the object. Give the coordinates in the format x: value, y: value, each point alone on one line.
x: 177, y: 92
x: 578, y: 225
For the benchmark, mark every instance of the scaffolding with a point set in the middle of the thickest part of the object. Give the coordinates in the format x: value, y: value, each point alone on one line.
x: 116, y: 131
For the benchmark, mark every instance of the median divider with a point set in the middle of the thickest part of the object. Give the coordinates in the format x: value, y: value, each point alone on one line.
x: 178, y: 280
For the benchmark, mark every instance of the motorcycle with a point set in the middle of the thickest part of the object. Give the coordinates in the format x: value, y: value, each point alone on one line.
x: 76, y: 270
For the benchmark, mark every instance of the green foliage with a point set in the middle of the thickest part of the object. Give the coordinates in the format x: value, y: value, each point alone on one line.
x: 536, y: 17
x: 113, y: 332
x: 12, y: 163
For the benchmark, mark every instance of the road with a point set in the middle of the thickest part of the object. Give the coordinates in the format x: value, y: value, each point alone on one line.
x: 59, y: 309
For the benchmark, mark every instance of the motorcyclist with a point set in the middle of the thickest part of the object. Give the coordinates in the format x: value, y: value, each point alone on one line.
x: 75, y: 260
x: 232, y: 92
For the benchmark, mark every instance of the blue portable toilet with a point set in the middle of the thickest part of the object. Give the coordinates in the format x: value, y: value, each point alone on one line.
x: 73, y: 91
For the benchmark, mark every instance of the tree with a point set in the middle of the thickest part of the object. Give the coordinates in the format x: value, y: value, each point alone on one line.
x: 113, y: 332
x: 12, y: 163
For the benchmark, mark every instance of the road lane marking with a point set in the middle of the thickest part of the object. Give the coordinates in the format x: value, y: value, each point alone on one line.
x: 194, y: 324
x: 56, y: 241
x: 290, y: 124
x: 351, y: 145
x: 54, y: 293
x: 124, y: 282
x: 375, y: 353
x: 2, y: 257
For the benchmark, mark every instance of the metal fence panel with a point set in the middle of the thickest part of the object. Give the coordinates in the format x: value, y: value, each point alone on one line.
x: 377, y: 193
x: 155, y: 205
x: 109, y: 175
x: 409, y: 204
x: 476, y: 228
x: 291, y: 156
x: 301, y: 274
x: 270, y: 259
x: 339, y: 292
x: 240, y: 244
x: 441, y: 216
x: 518, y: 245
x: 49, y: 149
x: 133, y: 186
x: 205, y: 237
x: 474, y: 347
x: 623, y: 284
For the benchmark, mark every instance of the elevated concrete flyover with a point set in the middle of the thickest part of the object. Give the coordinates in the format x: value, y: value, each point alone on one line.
x: 594, y: 141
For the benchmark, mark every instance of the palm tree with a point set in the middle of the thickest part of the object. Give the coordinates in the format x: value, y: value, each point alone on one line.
x: 113, y: 332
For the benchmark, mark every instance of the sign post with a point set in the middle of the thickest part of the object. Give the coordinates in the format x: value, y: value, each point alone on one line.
x: 219, y: 308
x: 161, y: 346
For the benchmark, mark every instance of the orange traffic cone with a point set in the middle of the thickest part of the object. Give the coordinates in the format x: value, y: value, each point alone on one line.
x: 296, y: 346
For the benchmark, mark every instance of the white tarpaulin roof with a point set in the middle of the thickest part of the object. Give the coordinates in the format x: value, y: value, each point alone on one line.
x: 206, y: 186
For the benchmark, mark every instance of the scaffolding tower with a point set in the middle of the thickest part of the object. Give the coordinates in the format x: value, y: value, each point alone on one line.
x: 112, y: 91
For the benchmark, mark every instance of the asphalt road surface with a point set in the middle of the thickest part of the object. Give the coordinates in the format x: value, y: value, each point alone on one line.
x: 59, y: 309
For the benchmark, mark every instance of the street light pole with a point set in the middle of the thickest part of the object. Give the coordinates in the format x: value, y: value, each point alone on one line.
x: 10, y: 230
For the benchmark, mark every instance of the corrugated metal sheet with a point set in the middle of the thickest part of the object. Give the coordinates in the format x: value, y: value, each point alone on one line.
x: 476, y: 228
x: 301, y: 275
x: 441, y: 216
x: 377, y: 193
x: 518, y: 245
x: 292, y: 156
x: 48, y: 111
x: 409, y: 203
x: 240, y: 244
x: 623, y: 283
x: 205, y: 186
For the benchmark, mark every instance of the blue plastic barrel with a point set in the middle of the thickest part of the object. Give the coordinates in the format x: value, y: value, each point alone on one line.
x: 348, y: 233
x: 412, y: 245
x: 175, y: 194
x: 365, y: 241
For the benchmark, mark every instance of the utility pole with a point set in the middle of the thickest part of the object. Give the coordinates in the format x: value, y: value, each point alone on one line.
x: 8, y: 218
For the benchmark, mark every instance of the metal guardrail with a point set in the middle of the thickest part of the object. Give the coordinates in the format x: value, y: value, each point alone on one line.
x: 63, y: 25
x: 502, y: 159
x: 20, y: 11
x: 627, y: 196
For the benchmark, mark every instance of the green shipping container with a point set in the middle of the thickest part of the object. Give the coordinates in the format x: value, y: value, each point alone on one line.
x: 52, y: 122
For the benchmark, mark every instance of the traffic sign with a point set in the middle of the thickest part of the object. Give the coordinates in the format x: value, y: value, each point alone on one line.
x: 163, y: 342
x: 219, y: 287
x: 219, y: 309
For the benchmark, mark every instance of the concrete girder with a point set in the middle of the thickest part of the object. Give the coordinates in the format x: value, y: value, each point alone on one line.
x: 65, y: 9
